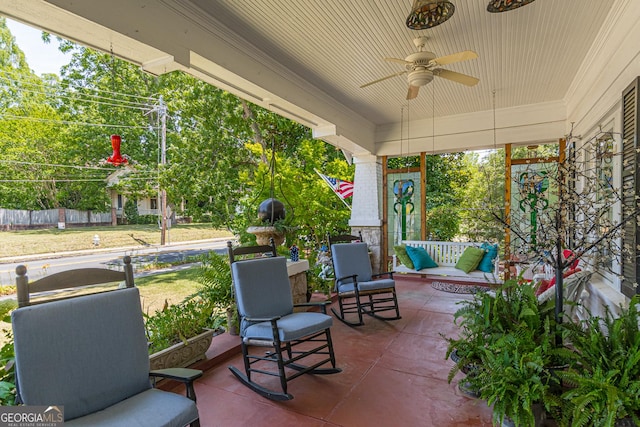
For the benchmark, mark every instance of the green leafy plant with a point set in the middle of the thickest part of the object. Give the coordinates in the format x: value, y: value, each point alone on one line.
x: 179, y: 322
x: 517, y: 374
x: 7, y: 359
x: 604, y: 384
x: 474, y: 318
x: 131, y: 211
x: 217, y: 286
x: 205, y: 309
x: 507, y: 347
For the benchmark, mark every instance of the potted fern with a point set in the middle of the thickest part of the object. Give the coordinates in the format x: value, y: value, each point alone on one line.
x: 474, y: 318
x: 507, y: 346
x: 604, y: 383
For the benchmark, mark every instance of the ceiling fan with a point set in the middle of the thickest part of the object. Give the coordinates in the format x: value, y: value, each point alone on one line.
x: 421, y: 67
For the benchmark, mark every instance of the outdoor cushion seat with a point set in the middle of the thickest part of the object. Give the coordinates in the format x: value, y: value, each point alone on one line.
x: 160, y: 408
x: 290, y: 327
x: 359, y: 290
x: 89, y: 354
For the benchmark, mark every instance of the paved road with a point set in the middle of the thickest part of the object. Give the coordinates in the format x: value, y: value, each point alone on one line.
x: 51, y: 263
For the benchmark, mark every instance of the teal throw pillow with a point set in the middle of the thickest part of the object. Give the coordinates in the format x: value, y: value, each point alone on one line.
x: 470, y: 259
x: 403, y: 256
x: 488, y: 260
x: 420, y: 258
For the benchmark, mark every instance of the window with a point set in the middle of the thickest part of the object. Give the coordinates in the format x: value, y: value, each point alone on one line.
x: 153, y: 202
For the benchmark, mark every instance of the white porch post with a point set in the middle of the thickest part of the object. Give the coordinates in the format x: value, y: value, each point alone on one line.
x: 366, y: 206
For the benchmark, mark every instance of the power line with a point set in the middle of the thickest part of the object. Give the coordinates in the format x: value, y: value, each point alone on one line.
x: 114, y: 103
x: 148, y: 173
x: 20, y: 162
x: 117, y: 96
x: 54, y: 180
x: 70, y: 122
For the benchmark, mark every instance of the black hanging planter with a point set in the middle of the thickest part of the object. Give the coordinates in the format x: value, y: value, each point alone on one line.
x: 271, y: 210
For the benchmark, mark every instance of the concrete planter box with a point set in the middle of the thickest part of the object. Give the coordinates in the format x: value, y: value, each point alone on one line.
x: 182, y: 355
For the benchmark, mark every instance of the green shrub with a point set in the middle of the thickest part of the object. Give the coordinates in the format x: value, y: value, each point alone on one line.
x: 7, y: 359
x: 179, y: 322
x: 131, y: 211
x: 605, y: 381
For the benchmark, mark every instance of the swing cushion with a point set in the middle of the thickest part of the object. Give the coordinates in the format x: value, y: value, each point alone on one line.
x: 470, y: 259
x: 403, y: 256
x: 486, y: 263
x: 420, y: 258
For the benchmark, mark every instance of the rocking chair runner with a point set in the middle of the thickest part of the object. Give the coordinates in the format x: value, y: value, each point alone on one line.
x: 265, y: 306
x: 359, y: 290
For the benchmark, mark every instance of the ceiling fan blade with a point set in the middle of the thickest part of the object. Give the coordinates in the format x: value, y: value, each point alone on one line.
x: 456, y: 77
x: 412, y: 93
x: 384, y: 78
x: 465, y: 55
x: 398, y: 60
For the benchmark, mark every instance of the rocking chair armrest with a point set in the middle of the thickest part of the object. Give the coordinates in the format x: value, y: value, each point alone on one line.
x: 389, y: 273
x: 353, y: 276
x: 311, y: 304
x: 184, y: 375
x: 321, y: 304
x: 262, y: 319
x: 179, y: 374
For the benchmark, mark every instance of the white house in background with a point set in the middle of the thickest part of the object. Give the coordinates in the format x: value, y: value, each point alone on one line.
x: 147, y: 205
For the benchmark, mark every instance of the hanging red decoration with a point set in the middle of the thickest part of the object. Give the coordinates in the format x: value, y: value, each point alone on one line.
x: 116, y: 158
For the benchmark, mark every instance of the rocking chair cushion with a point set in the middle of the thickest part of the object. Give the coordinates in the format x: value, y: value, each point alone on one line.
x: 80, y: 387
x: 376, y: 284
x: 268, y: 299
x: 290, y: 327
x: 351, y: 258
x: 159, y: 410
x: 371, y: 285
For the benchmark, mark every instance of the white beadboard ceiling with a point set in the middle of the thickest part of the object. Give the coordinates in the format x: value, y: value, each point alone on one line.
x: 527, y: 56
x: 307, y: 58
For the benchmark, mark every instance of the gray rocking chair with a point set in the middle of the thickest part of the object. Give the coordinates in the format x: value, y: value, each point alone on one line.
x: 89, y: 354
x: 267, y: 319
x: 359, y: 290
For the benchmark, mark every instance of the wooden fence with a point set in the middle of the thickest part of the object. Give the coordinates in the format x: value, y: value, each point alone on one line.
x: 14, y: 219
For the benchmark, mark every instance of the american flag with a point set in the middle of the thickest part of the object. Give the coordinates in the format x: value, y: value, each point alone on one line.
x: 342, y: 188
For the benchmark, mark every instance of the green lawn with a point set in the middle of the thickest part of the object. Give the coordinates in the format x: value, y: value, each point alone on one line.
x: 29, y: 242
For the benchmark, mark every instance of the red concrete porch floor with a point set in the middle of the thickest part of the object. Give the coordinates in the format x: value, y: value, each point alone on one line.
x: 393, y: 374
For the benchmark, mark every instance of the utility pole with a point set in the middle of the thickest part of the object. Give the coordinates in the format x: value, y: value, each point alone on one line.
x: 162, y: 111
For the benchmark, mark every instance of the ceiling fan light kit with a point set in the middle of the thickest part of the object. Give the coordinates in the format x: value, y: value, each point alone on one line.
x: 497, y: 6
x: 429, y: 13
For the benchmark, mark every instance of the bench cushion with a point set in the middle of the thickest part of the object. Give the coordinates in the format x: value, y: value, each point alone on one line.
x: 488, y: 260
x: 403, y: 256
x: 470, y: 259
x: 420, y: 258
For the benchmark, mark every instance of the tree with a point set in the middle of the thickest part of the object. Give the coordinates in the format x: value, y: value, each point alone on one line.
x: 482, y: 195
x: 31, y: 142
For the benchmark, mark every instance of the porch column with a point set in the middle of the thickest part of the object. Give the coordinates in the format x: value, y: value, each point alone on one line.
x: 366, y: 206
